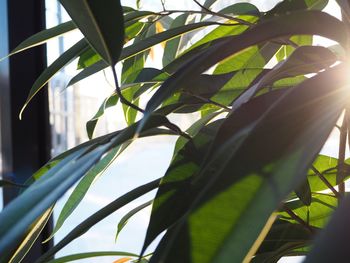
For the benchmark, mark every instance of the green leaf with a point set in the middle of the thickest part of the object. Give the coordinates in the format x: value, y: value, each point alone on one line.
x: 91, y: 255
x: 193, y: 131
x: 253, y: 57
x: 332, y: 243
x: 100, y: 215
x: 209, y: 3
x: 241, y: 9
x: 218, y: 32
x: 140, y: 47
x: 171, y: 48
x: 31, y: 236
x: 303, y: 191
x: 316, y: 214
x: 83, y: 186
x: 327, y: 166
x: 102, y: 24
x: 303, y: 22
x: 122, y: 223
x: 304, y: 60
x: 7, y: 183
x: 283, y: 238
x: 108, y: 102
x: 90, y: 57
x: 287, y: 50
x: 174, y: 193
x: 287, y: 6
x: 43, y: 36
x: 67, y: 57
x: 255, y: 183
x: 172, y: 200
x: 23, y: 211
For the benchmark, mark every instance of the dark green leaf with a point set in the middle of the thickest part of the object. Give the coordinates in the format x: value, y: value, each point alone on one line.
x: 102, y: 24
x: 140, y: 47
x: 304, y: 60
x: 171, y: 48
x: 6, y: 183
x: 304, y: 192
x: 282, y: 238
x: 241, y: 9
x: 255, y: 183
x: 288, y: 6
x: 122, y: 223
x: 304, y: 22
x: 172, y: 199
x: 332, y: 244
x: 83, y: 186
x: 100, y: 215
x: 108, y: 102
x: 31, y: 237
x: 67, y: 57
x: 316, y: 214
x: 81, y: 256
x: 43, y: 36
x: 21, y: 212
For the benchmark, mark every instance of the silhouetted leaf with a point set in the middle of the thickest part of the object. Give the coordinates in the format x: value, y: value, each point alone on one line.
x: 102, y: 24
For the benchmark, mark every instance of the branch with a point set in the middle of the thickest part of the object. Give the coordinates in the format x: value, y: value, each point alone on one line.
x: 208, y: 101
x: 341, y: 154
x: 297, y: 218
x: 326, y: 182
x: 119, y: 93
x: 208, y: 11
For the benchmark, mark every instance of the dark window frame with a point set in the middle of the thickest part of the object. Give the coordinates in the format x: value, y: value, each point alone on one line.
x: 25, y: 144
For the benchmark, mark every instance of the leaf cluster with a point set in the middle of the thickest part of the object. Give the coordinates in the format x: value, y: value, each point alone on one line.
x: 247, y: 181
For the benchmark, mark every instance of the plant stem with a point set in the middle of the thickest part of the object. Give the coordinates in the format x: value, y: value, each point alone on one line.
x: 326, y: 182
x: 123, y: 100
x: 119, y: 93
x: 209, y: 101
x: 297, y: 218
x: 341, y: 155
x: 210, y: 12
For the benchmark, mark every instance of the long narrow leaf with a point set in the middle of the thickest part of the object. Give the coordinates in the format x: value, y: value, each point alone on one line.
x: 254, y: 184
x: 100, y: 215
x: 80, y: 256
x: 303, y: 22
x: 43, y: 36
x: 102, y: 23
x: 51, y: 70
